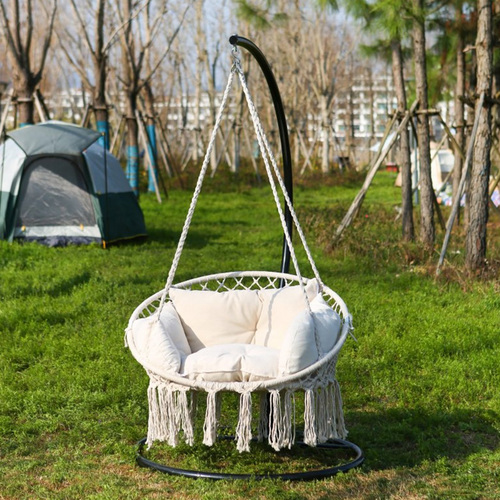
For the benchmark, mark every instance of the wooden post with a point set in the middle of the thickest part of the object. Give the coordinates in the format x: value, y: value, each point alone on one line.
x: 169, y: 157
x: 358, y: 200
x: 456, y: 201
x: 144, y: 136
x: 85, y: 117
x: 6, y: 109
x: 117, y: 134
x: 39, y: 107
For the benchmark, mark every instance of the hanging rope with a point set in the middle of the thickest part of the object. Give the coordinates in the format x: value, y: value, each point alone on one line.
x: 196, y: 194
x: 262, y: 138
x: 270, y: 166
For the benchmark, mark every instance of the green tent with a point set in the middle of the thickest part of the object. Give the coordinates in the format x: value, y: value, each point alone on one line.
x: 59, y: 186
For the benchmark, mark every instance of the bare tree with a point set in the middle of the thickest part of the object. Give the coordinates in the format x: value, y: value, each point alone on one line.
x: 136, y: 41
x: 459, y: 101
x: 404, y: 142
x: 477, y: 196
x: 26, y: 57
x: 427, y: 229
x: 95, y: 47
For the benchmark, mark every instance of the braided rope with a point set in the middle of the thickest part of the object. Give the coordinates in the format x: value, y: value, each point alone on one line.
x: 196, y: 194
x: 266, y: 156
x: 270, y: 166
x: 267, y: 147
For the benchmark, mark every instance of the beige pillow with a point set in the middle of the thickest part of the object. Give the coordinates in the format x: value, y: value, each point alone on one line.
x: 279, y: 307
x: 155, y: 346
x: 299, y: 348
x: 211, y: 318
x: 172, y: 324
x: 232, y: 363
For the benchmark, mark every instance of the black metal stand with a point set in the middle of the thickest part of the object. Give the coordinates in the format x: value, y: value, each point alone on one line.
x: 287, y: 476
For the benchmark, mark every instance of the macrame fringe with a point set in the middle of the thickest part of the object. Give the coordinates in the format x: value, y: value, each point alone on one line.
x: 323, y: 415
x: 310, y: 435
x: 211, y: 418
x: 244, y: 428
x: 340, y: 429
x: 172, y: 411
x: 281, y: 419
x: 288, y: 420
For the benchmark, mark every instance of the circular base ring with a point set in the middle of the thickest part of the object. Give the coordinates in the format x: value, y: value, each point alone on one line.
x: 289, y: 476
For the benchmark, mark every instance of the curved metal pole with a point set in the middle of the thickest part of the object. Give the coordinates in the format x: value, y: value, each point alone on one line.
x: 283, y: 130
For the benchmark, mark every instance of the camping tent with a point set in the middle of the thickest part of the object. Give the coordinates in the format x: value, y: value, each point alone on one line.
x: 59, y: 185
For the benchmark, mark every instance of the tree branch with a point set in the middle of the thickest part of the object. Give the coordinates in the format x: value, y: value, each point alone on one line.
x: 169, y: 45
x: 11, y: 43
x: 82, y: 27
x: 46, y: 44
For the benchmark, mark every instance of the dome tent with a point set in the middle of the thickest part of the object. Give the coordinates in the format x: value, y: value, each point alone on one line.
x: 60, y: 186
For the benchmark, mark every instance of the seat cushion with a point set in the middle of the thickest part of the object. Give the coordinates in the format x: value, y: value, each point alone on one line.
x: 299, y: 348
x: 232, y: 363
x: 279, y: 307
x: 211, y: 318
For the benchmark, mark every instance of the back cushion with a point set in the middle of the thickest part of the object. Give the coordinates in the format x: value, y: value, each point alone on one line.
x: 299, y: 346
x: 172, y: 324
x: 154, y: 345
x: 279, y: 307
x: 211, y: 318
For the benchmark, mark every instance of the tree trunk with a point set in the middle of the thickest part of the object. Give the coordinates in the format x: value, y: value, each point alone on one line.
x: 404, y: 144
x: 349, y: 124
x: 100, y: 73
x: 427, y: 230
x: 17, y: 37
x: 495, y: 154
x: 132, y: 170
x: 459, y: 110
x: 151, y: 131
x: 26, y: 106
x: 325, y: 135
x: 100, y: 106
x: 477, y: 196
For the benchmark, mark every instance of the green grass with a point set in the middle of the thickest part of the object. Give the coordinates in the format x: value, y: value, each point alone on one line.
x: 420, y: 387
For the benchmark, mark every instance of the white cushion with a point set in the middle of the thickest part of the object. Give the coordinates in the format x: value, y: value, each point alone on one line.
x: 211, y: 318
x: 279, y: 307
x: 299, y: 347
x: 155, y: 346
x: 172, y: 324
x: 232, y: 363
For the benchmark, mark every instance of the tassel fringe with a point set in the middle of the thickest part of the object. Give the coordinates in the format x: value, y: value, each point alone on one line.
x: 244, y: 428
x: 211, y: 419
x: 172, y: 411
x: 310, y: 435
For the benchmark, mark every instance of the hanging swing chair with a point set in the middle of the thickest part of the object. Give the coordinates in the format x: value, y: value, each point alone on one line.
x: 271, y: 334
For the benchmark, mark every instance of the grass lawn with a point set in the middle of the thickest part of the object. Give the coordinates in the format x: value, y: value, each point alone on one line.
x: 421, y: 387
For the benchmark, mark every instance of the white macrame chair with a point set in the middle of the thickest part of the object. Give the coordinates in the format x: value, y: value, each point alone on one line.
x: 172, y: 395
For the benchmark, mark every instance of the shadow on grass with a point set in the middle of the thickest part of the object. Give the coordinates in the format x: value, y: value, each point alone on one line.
x: 66, y: 286
x: 390, y: 439
x: 409, y: 437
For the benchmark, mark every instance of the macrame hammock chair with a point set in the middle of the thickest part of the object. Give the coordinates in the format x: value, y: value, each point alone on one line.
x: 247, y: 332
